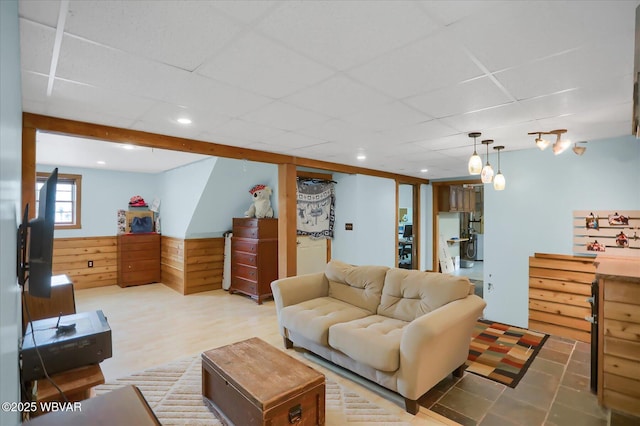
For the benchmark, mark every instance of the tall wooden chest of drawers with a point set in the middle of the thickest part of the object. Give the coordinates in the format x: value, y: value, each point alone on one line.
x: 254, y: 257
x: 138, y: 259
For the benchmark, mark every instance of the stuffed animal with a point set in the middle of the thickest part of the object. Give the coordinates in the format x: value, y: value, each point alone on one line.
x: 261, y: 206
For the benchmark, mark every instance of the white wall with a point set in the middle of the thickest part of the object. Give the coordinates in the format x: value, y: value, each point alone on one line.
x: 369, y: 204
x: 534, y: 212
x: 226, y: 195
x: 104, y: 192
x: 10, y: 205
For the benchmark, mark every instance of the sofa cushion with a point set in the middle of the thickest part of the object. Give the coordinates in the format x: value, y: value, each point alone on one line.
x: 357, y: 285
x: 312, y: 318
x: 408, y: 294
x: 373, y: 340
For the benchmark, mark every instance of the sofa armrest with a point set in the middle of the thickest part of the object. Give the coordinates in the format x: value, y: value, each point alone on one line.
x: 293, y: 290
x: 435, y: 344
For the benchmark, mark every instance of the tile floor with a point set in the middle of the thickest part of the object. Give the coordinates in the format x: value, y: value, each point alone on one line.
x: 553, y: 392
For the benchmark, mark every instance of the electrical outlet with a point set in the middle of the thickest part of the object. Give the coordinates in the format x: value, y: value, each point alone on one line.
x: 90, y: 264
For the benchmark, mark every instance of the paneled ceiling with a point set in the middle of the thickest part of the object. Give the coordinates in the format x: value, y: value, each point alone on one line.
x: 402, y: 82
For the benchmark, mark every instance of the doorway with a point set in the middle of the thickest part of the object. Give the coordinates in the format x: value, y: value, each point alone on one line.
x: 407, y: 224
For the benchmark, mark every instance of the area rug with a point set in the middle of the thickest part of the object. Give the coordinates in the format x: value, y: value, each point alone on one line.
x: 501, y: 352
x: 174, y: 393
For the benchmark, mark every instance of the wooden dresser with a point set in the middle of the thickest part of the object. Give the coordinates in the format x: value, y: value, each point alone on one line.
x: 254, y: 257
x: 138, y: 259
x: 619, y: 334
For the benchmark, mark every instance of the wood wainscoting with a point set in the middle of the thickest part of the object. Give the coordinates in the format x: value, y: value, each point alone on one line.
x: 192, y: 265
x: 559, y: 286
x: 73, y: 257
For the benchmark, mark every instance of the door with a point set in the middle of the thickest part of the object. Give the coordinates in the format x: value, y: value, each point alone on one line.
x: 312, y: 255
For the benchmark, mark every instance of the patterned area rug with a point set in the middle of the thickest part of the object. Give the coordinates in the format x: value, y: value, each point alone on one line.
x: 503, y: 353
x: 174, y: 393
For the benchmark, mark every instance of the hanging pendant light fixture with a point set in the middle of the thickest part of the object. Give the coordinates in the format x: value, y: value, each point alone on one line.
x: 499, y: 181
x: 475, y: 162
x: 487, y: 171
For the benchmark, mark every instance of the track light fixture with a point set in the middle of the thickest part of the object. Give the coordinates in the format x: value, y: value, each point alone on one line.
x: 486, y: 176
x: 558, y: 147
x: 475, y: 162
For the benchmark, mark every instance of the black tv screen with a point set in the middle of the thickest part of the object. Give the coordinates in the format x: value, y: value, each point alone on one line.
x: 41, y: 240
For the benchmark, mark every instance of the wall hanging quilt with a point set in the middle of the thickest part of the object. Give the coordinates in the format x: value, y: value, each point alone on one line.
x: 316, y: 203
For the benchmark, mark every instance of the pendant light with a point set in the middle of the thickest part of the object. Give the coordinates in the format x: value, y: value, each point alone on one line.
x: 475, y: 162
x: 487, y: 171
x: 499, y: 181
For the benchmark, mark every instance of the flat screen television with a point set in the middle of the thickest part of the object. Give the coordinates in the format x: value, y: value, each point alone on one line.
x: 35, y: 242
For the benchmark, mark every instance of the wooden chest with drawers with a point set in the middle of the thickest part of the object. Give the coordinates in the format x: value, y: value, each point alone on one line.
x: 138, y: 259
x: 254, y: 257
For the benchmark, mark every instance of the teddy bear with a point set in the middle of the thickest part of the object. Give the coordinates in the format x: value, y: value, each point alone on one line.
x: 261, y: 206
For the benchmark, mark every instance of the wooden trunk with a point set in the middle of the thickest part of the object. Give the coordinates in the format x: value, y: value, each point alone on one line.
x: 253, y: 383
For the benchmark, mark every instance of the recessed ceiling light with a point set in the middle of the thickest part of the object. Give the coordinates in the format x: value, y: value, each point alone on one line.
x: 424, y: 170
x: 361, y: 157
x: 128, y: 146
x: 102, y: 163
x: 184, y: 120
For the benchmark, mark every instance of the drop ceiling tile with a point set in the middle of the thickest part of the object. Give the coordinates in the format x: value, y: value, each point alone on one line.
x: 570, y: 70
x: 484, y: 120
x: 245, y: 130
x: 43, y: 12
x: 182, y: 34
x: 345, y: 34
x: 465, y: 97
x: 284, y: 116
x: 447, y: 142
x: 448, y: 12
x: 292, y: 140
x: 100, y: 66
x: 426, y: 130
x: 430, y: 63
x: 265, y: 67
x: 387, y: 116
x: 343, y: 132
x: 162, y: 118
x: 245, y: 11
x: 336, y: 97
x: 36, y: 45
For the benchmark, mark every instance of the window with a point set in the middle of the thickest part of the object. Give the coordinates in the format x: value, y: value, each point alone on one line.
x: 67, y: 199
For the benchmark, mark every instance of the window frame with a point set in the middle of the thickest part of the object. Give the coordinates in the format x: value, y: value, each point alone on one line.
x: 76, y: 203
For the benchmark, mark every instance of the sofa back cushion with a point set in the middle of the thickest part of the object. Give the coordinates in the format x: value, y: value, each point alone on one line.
x: 360, y: 286
x: 408, y: 294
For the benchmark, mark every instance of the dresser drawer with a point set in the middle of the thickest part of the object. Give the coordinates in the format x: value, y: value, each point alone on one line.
x: 244, y: 258
x: 244, y: 245
x: 244, y: 271
x: 243, y: 285
x: 139, y: 265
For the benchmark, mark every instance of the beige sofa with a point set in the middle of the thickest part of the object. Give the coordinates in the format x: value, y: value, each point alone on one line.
x: 403, y: 329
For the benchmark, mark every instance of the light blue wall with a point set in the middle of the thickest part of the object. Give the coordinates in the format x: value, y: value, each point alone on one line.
x: 534, y: 213
x: 226, y: 195
x: 104, y: 192
x: 10, y: 205
x: 181, y: 189
x: 369, y: 203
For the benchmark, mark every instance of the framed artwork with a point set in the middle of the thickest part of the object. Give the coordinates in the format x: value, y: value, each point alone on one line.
x: 591, y: 222
x: 618, y: 220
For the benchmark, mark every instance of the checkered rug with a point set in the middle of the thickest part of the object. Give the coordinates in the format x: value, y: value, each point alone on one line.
x: 503, y: 353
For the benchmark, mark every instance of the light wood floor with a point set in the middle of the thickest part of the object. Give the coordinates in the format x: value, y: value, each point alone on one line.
x: 152, y: 325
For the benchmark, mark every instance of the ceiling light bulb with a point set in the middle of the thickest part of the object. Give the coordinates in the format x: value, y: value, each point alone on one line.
x: 184, y: 121
x: 487, y: 173
x: 561, y: 146
x: 424, y: 170
x: 475, y: 164
x: 499, y: 182
x: 361, y: 157
x: 128, y: 146
x: 579, y: 150
x: 542, y: 143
